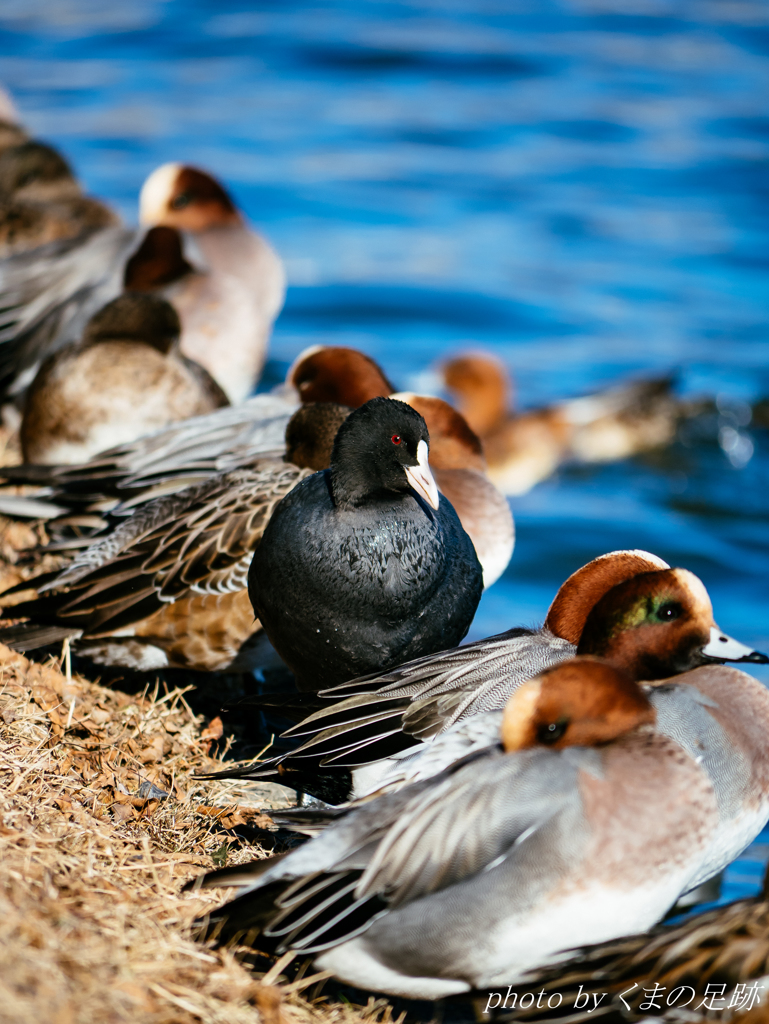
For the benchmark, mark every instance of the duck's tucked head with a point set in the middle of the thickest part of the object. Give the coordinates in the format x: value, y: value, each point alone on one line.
x: 158, y: 261
x: 380, y: 449
x: 583, y: 702
x: 658, y: 624
x: 186, y: 198
x: 482, y: 388
x: 453, y: 445
x: 310, y: 434
x: 332, y: 373
x: 585, y: 587
x: 135, y: 316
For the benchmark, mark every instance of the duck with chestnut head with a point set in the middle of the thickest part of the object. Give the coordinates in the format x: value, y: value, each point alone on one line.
x: 653, y: 622
x: 525, y: 447
x: 227, y: 308
x: 376, y: 716
x: 576, y: 818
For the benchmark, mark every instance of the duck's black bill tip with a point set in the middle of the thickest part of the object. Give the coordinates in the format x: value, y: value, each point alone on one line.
x: 756, y: 657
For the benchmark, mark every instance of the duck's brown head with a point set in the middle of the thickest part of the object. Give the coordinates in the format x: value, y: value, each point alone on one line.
x: 584, y: 588
x: 333, y: 373
x: 582, y: 702
x: 186, y: 198
x: 482, y: 388
x: 658, y: 624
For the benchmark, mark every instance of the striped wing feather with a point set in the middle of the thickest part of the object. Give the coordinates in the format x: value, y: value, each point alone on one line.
x: 200, y: 541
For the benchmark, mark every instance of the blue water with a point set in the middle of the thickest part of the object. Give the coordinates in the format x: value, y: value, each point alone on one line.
x: 582, y: 187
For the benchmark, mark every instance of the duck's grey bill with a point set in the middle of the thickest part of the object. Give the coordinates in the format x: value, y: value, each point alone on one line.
x: 421, y: 479
x: 721, y: 647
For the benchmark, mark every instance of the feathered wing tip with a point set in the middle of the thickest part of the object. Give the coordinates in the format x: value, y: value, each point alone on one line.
x: 333, y: 787
x: 294, y: 706
x: 18, y: 506
x: 243, y: 919
x: 308, y: 914
x: 28, y: 636
x: 238, y: 875
x: 308, y: 820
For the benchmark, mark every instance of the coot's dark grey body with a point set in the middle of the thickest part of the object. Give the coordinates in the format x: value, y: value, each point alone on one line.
x: 355, y: 576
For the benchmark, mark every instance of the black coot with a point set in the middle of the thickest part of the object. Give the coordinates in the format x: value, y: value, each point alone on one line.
x: 364, y: 565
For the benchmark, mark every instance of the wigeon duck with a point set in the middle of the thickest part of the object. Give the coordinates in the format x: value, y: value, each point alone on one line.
x: 524, y: 448
x: 365, y: 563
x: 242, y: 287
x: 578, y: 820
x: 333, y: 373
x: 712, y: 966
x: 717, y: 714
x: 628, y: 607
x: 124, y: 378
x: 227, y: 288
x: 167, y: 587
x: 41, y: 201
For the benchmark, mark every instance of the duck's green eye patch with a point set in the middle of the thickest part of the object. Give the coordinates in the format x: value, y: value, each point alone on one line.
x: 551, y: 732
x: 669, y: 611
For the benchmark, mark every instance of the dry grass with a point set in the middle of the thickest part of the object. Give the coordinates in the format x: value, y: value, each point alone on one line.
x: 101, y: 822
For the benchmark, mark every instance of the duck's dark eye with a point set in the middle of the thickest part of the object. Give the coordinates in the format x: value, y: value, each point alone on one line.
x: 551, y: 732
x: 668, y: 612
x: 396, y: 439
x: 180, y: 201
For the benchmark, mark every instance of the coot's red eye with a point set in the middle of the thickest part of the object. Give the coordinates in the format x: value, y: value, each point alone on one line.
x: 396, y: 439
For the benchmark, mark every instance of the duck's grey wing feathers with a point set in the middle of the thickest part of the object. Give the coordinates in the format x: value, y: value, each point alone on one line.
x: 474, y: 816
x: 168, y: 460
x: 200, y: 541
x: 383, y: 853
x: 429, y: 759
x: 425, y: 697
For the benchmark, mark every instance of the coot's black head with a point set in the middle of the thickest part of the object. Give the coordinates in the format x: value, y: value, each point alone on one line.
x: 381, y: 449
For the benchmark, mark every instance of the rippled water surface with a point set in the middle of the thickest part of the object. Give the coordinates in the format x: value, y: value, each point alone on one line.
x: 580, y: 186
